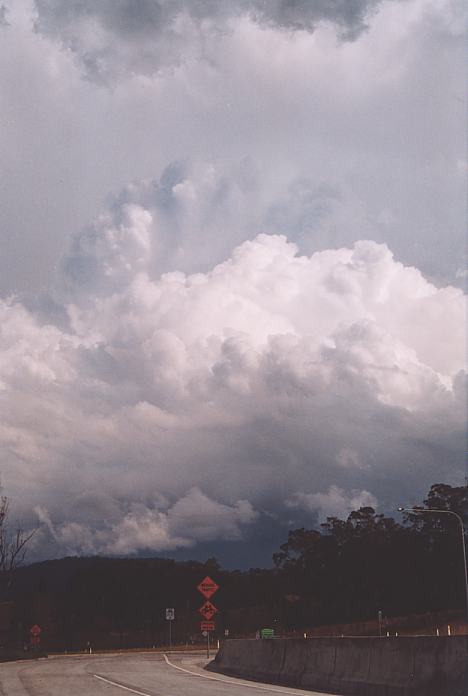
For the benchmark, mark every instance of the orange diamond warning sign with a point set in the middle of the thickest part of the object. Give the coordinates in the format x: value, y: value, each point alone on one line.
x: 207, y: 587
x: 208, y: 610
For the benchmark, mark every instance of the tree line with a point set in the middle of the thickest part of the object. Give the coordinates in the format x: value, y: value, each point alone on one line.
x: 351, y: 569
x: 344, y: 571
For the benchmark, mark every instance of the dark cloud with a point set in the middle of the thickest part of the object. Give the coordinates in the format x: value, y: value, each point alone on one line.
x: 3, y: 16
x: 349, y: 15
x: 113, y: 38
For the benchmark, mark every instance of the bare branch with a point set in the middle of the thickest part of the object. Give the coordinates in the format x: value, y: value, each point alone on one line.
x: 13, y: 546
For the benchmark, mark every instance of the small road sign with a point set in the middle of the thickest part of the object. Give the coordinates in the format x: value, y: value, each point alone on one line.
x: 208, y: 610
x: 267, y: 633
x: 170, y: 614
x: 207, y: 587
x: 226, y: 632
x: 207, y: 626
x: 35, y: 633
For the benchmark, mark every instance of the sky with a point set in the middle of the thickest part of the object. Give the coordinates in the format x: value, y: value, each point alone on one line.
x: 232, y: 268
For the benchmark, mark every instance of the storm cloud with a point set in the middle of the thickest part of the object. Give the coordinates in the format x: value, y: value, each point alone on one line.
x: 195, y: 403
x: 232, y: 266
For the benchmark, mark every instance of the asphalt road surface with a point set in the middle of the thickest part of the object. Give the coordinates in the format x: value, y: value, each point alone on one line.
x: 143, y: 674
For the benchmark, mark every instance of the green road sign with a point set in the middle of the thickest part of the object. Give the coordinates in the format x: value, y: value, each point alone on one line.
x: 267, y: 633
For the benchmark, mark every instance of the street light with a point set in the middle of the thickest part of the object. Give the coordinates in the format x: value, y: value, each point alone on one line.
x: 447, y: 512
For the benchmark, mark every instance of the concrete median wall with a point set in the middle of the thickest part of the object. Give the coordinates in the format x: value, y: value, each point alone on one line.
x: 403, y: 666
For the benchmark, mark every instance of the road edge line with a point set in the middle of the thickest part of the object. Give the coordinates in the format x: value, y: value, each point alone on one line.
x: 249, y: 685
x: 121, y: 686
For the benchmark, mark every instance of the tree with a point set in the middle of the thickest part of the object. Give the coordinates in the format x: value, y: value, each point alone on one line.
x: 443, y: 560
x: 356, y: 567
x: 13, y: 545
x: 440, y: 497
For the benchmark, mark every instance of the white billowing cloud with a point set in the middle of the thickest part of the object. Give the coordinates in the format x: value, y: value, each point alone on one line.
x: 166, y: 409
x: 335, y: 502
x: 368, y: 302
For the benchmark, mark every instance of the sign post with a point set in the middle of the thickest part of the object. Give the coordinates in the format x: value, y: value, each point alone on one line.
x: 207, y: 587
x: 170, y: 616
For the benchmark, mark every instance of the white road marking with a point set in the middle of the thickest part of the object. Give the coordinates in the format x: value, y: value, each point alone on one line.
x: 240, y: 683
x: 121, y: 686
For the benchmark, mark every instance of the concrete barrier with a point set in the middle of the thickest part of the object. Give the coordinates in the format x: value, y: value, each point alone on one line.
x: 403, y: 666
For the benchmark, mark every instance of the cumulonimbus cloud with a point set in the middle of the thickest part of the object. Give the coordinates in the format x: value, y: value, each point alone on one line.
x: 160, y: 409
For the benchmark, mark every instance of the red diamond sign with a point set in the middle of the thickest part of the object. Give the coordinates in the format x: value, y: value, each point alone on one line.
x: 208, y: 610
x: 207, y: 587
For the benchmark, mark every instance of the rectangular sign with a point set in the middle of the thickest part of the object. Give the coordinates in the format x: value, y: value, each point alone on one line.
x: 207, y: 587
x: 267, y: 633
x: 207, y: 626
x: 170, y: 614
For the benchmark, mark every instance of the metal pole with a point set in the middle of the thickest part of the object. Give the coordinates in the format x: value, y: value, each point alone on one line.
x: 464, y: 562
x: 208, y: 644
x: 170, y: 634
x: 462, y: 528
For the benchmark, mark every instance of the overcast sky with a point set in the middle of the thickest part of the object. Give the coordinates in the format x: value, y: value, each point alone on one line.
x: 232, y: 267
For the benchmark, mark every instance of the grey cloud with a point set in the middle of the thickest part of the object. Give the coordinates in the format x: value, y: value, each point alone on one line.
x: 3, y: 16
x: 349, y: 15
x: 193, y: 215
x: 337, y: 158
x: 99, y: 524
x: 113, y: 38
x: 321, y: 215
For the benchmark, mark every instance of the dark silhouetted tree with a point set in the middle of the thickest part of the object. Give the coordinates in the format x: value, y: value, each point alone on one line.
x: 13, y: 546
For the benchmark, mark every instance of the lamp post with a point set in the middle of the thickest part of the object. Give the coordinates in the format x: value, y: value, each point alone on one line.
x: 462, y: 529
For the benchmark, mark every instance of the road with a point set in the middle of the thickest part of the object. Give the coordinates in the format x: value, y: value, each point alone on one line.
x: 143, y: 674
